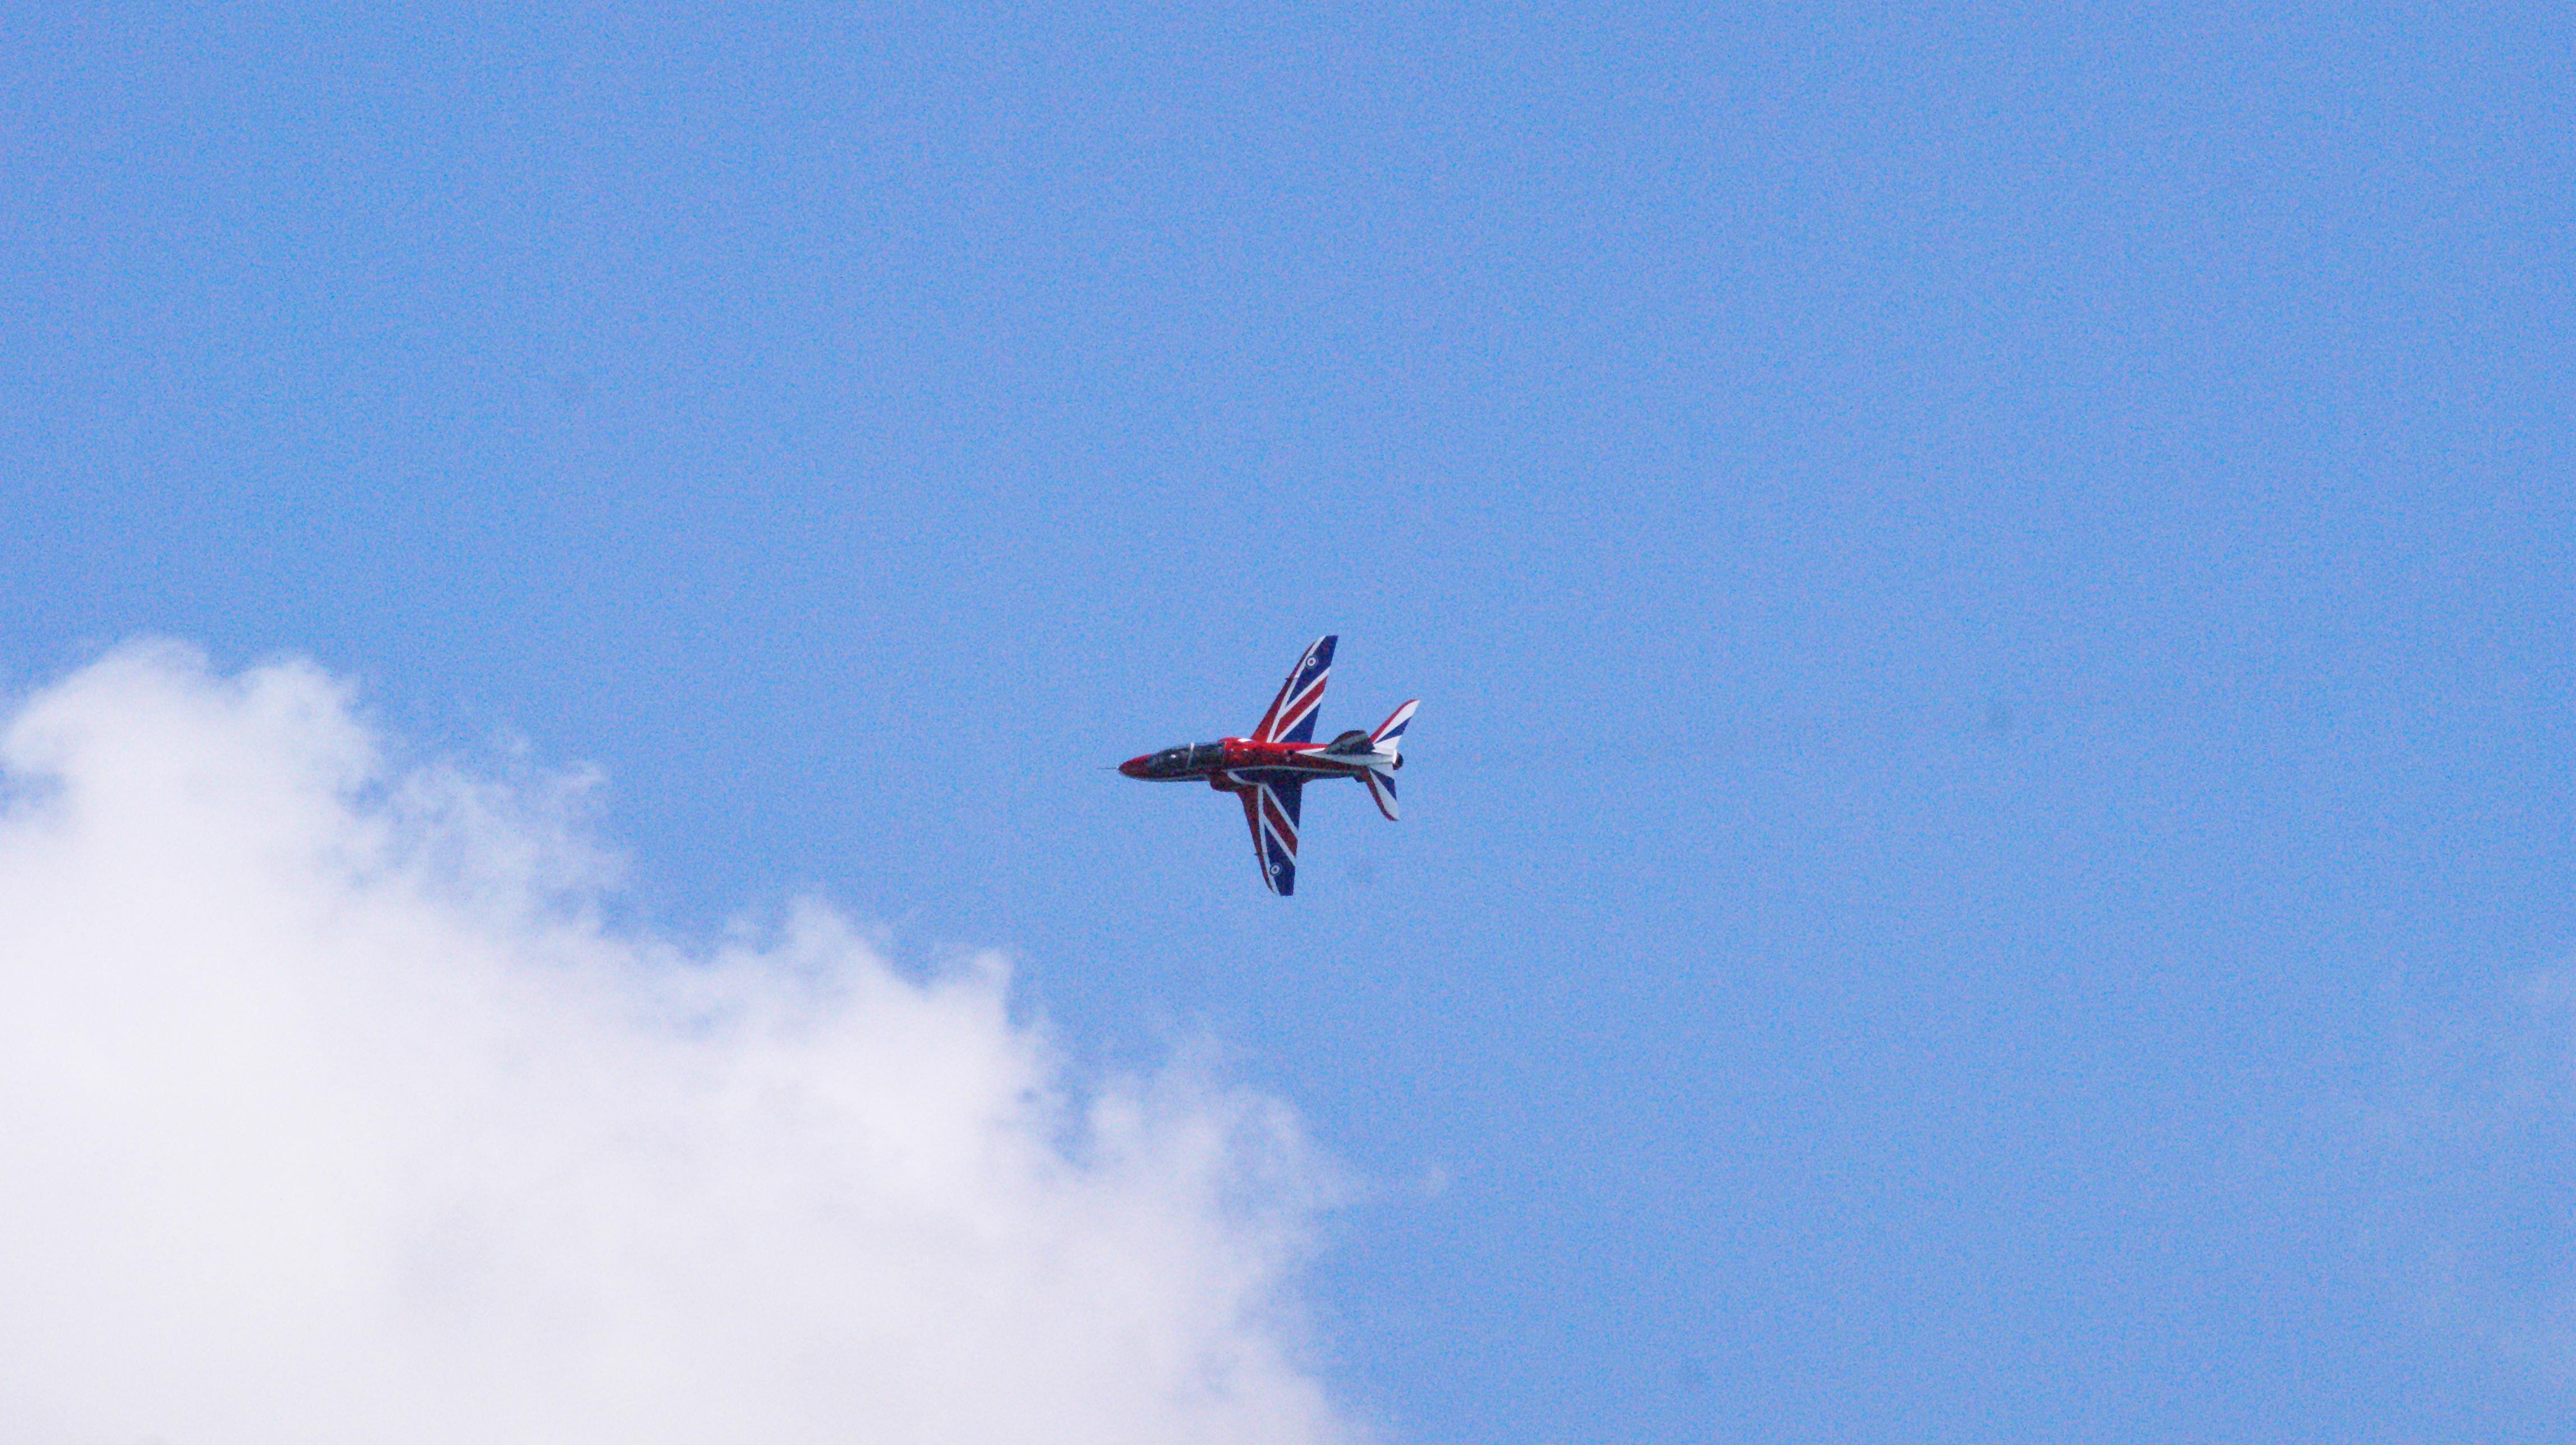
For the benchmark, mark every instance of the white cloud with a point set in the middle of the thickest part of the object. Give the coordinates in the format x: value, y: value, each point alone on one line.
x: 330, y: 1111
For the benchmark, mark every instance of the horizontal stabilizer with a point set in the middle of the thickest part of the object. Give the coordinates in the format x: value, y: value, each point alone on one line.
x: 1389, y: 737
x: 1381, y: 788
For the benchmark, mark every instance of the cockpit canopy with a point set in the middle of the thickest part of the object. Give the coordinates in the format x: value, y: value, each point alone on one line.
x: 1185, y: 762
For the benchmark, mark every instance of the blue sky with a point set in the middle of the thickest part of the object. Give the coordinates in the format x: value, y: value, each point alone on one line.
x: 1987, y: 848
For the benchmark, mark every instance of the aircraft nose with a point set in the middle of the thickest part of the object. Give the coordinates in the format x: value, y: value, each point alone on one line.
x: 1134, y: 767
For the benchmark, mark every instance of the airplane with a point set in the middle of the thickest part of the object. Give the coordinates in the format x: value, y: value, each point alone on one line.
x: 1268, y: 770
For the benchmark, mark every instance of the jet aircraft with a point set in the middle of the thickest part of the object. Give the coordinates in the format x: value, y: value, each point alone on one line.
x: 1268, y: 770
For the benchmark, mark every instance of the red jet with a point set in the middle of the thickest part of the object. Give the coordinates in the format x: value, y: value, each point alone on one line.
x: 1269, y: 769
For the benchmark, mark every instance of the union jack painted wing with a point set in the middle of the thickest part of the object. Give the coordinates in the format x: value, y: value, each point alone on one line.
x: 1271, y: 810
x: 1291, y: 718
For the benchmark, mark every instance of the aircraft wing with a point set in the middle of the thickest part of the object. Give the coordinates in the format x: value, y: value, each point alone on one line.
x: 1271, y: 810
x: 1291, y: 718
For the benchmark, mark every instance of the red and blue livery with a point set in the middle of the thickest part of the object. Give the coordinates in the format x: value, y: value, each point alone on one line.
x: 1268, y: 771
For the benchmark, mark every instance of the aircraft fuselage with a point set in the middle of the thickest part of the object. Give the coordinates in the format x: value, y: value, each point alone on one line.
x: 1230, y: 763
